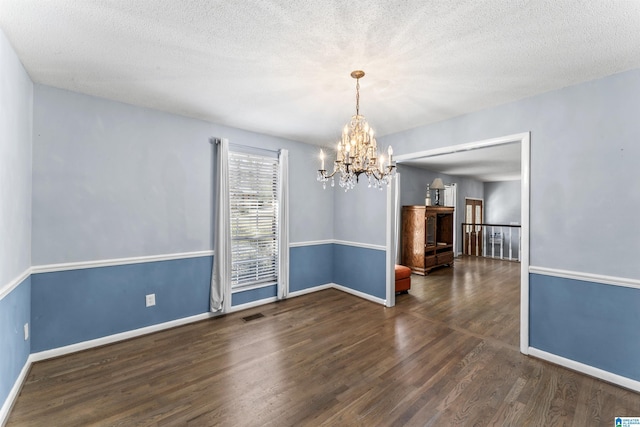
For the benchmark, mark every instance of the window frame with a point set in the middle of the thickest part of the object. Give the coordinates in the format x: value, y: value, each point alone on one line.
x: 245, y: 168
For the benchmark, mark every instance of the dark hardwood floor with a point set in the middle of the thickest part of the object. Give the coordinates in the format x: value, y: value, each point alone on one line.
x: 447, y: 354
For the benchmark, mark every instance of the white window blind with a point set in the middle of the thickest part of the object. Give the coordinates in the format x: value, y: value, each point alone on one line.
x: 253, y: 181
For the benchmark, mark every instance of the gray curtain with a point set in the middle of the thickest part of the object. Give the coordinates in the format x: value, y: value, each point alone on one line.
x: 283, y: 224
x: 221, y: 275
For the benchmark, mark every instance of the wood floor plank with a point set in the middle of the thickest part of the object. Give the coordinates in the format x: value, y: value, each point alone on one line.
x: 447, y: 354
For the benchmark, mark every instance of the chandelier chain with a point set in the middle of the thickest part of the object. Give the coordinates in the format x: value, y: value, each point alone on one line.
x: 357, y: 97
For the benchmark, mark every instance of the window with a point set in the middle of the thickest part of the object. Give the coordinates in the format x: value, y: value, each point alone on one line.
x: 253, y: 181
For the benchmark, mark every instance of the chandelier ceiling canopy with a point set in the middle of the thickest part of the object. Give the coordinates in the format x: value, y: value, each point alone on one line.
x: 357, y: 153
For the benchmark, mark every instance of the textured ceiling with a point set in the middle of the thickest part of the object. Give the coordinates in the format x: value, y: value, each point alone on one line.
x: 281, y: 67
x: 488, y: 164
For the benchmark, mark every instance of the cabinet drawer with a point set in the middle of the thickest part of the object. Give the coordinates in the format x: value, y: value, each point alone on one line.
x: 429, y: 261
x: 446, y: 258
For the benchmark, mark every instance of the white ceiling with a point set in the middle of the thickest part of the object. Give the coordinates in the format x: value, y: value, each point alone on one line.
x: 488, y: 164
x: 281, y: 67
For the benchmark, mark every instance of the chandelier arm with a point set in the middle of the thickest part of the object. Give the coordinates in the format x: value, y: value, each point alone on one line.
x: 331, y: 174
x: 377, y: 174
x: 324, y: 174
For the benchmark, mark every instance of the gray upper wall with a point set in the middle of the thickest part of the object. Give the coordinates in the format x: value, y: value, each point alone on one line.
x: 111, y: 180
x: 502, y: 202
x: 16, y: 111
x: 360, y: 214
x: 584, y: 138
x: 414, y: 182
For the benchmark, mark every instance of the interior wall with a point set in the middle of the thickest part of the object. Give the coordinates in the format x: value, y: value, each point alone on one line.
x: 360, y: 214
x: 413, y: 191
x: 16, y: 106
x: 502, y: 205
x: 360, y: 217
x: 502, y: 202
x: 583, y: 137
x: 579, y: 135
x: 113, y: 181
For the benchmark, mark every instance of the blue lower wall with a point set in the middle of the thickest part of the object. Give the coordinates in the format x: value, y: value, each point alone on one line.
x: 310, y: 266
x: 72, y: 306
x: 15, y: 309
x: 245, y: 297
x: 360, y: 269
x: 591, y: 323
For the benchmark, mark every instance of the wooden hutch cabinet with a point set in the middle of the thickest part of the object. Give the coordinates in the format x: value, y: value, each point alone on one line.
x: 427, y: 237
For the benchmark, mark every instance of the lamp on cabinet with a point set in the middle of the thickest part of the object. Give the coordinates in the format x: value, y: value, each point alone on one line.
x: 437, y: 185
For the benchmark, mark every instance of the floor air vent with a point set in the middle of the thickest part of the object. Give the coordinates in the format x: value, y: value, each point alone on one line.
x: 253, y: 317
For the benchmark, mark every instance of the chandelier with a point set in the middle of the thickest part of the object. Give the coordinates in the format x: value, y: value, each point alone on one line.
x: 357, y: 153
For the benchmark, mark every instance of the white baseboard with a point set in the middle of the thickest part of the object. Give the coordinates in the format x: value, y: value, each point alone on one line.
x: 294, y: 294
x: 13, y: 393
x: 359, y: 294
x: 235, y: 308
x: 309, y: 290
x: 586, y: 369
x: 85, y: 345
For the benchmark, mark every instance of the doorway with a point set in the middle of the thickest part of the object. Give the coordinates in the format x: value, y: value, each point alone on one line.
x: 451, y: 199
x: 524, y: 141
x: 473, y: 220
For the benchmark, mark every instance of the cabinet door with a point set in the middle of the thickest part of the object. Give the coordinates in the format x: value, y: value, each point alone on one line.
x: 413, y: 237
x: 430, y: 230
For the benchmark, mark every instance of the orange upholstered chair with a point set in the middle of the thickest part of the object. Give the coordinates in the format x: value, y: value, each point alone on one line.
x: 403, y: 279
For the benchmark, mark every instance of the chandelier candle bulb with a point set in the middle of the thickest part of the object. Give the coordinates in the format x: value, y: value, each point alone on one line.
x: 321, y: 160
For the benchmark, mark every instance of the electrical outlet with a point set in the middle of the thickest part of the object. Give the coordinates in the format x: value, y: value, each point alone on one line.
x: 151, y: 300
x: 26, y: 331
